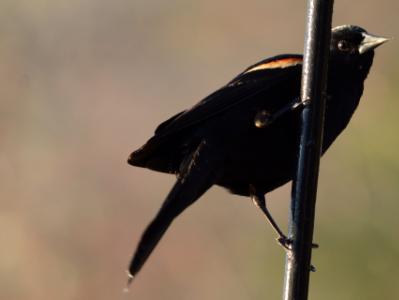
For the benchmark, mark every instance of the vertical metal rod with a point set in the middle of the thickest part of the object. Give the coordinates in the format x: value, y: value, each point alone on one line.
x: 302, y: 212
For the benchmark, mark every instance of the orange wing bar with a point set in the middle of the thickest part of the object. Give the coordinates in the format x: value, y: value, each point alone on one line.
x: 280, y: 63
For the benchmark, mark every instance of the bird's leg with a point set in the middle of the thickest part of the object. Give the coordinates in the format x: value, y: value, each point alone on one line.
x: 264, y: 118
x: 260, y: 201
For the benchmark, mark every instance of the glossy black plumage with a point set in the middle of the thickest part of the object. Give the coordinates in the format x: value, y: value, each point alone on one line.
x: 219, y: 141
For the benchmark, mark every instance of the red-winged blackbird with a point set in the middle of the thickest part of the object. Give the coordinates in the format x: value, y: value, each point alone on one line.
x: 245, y: 135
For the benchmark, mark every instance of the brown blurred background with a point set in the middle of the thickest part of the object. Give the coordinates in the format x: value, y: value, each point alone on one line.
x: 85, y: 82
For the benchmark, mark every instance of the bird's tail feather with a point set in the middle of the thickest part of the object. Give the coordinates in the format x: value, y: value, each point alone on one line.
x: 197, y: 175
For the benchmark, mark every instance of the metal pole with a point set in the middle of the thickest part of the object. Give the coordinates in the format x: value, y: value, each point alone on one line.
x: 314, y: 75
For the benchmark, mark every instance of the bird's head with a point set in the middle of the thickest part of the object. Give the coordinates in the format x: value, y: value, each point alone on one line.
x: 354, y: 45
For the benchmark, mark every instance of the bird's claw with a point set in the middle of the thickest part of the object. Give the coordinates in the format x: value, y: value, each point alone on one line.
x: 284, y: 242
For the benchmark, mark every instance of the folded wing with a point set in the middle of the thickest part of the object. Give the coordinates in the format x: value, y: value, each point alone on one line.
x: 164, y: 151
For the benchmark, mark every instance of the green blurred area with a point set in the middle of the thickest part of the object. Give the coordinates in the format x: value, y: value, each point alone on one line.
x: 85, y: 82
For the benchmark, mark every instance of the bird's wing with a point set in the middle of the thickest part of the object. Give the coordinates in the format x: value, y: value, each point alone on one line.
x: 247, y: 85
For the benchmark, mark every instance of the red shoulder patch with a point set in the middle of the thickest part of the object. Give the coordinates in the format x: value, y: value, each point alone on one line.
x: 279, y: 63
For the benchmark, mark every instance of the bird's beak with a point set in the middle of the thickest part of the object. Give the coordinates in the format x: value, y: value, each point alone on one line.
x: 371, y: 42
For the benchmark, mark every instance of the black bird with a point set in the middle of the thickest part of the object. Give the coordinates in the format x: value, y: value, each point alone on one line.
x: 245, y: 135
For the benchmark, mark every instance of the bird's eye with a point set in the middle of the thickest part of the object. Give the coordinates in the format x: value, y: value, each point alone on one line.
x: 343, y: 45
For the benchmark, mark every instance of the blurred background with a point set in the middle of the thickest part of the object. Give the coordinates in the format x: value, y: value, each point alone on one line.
x: 85, y: 82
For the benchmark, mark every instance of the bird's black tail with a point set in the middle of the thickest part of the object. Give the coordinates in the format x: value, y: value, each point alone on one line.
x: 198, y: 173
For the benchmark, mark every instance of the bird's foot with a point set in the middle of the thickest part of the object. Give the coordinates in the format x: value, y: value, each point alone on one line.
x: 286, y: 243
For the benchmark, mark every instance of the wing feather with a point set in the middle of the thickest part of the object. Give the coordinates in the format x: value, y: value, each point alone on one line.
x: 243, y: 88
